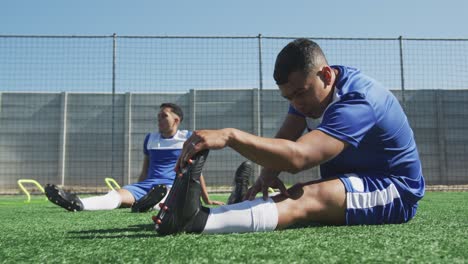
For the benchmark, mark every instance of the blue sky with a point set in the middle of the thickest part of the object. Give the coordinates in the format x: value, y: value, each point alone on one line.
x: 358, y: 18
x: 74, y: 65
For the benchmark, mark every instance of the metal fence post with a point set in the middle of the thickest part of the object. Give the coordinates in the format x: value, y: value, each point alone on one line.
x: 260, y: 85
x: 259, y: 102
x: 114, y: 44
x: 193, y: 108
x: 402, y: 74
x: 128, y: 138
x: 63, y: 137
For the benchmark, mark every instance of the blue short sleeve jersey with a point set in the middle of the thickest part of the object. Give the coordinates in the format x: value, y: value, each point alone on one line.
x: 368, y: 116
x: 163, y: 155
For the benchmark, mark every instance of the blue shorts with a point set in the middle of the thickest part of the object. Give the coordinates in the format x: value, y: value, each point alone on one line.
x: 373, y: 201
x: 140, y: 189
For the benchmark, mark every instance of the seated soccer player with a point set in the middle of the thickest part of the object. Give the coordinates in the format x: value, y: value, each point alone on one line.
x: 370, y: 168
x: 161, y: 150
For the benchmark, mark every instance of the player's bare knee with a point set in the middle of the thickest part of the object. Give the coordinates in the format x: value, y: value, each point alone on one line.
x: 311, y: 191
x: 305, y: 197
x: 295, y: 193
x: 316, y: 198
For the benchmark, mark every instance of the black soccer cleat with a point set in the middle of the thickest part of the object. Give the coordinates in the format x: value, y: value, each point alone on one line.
x: 69, y: 201
x: 148, y: 201
x: 241, y: 182
x: 182, y: 211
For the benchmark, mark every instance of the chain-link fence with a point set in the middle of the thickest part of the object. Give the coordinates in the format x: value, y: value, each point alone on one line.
x: 75, y: 109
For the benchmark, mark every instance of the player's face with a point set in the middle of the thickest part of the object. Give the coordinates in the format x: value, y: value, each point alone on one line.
x: 167, y: 120
x: 306, y: 92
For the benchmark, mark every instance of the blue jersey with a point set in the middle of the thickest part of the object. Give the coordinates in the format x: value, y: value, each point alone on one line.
x: 369, y: 117
x: 163, y: 154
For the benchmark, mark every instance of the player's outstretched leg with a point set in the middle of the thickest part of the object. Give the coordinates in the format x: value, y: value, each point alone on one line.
x: 241, y: 182
x: 150, y: 199
x: 69, y: 201
x: 182, y: 211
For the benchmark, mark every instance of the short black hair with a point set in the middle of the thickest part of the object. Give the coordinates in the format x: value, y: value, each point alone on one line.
x: 299, y: 55
x: 174, y: 108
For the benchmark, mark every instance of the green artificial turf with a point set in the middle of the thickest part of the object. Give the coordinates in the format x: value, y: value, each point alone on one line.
x: 40, y: 232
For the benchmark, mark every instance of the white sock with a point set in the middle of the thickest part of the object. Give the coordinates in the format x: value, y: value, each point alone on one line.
x: 248, y: 216
x: 109, y: 201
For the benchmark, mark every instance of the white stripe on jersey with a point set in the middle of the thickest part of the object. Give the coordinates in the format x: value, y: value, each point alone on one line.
x: 356, y: 182
x: 155, y: 141
x: 372, y: 199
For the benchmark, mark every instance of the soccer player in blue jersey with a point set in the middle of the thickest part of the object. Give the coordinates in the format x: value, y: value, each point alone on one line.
x: 370, y: 168
x: 161, y: 149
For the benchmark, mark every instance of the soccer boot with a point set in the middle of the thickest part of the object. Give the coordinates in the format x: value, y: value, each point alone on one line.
x: 241, y: 182
x: 69, y: 201
x: 182, y: 210
x: 152, y: 198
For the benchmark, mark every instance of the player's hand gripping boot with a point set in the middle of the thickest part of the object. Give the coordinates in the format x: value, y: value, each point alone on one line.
x: 182, y: 211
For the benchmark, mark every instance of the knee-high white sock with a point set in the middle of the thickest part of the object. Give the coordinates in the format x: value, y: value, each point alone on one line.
x: 248, y: 216
x: 109, y: 201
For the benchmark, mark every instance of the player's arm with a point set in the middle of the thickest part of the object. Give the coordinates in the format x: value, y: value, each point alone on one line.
x: 204, y: 193
x: 144, y: 169
x: 310, y: 150
x: 292, y: 128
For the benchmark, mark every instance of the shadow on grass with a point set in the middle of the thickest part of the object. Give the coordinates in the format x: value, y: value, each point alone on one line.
x: 134, y: 230
x: 304, y: 225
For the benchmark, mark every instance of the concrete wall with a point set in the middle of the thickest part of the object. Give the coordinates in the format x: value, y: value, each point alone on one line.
x: 78, y: 139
